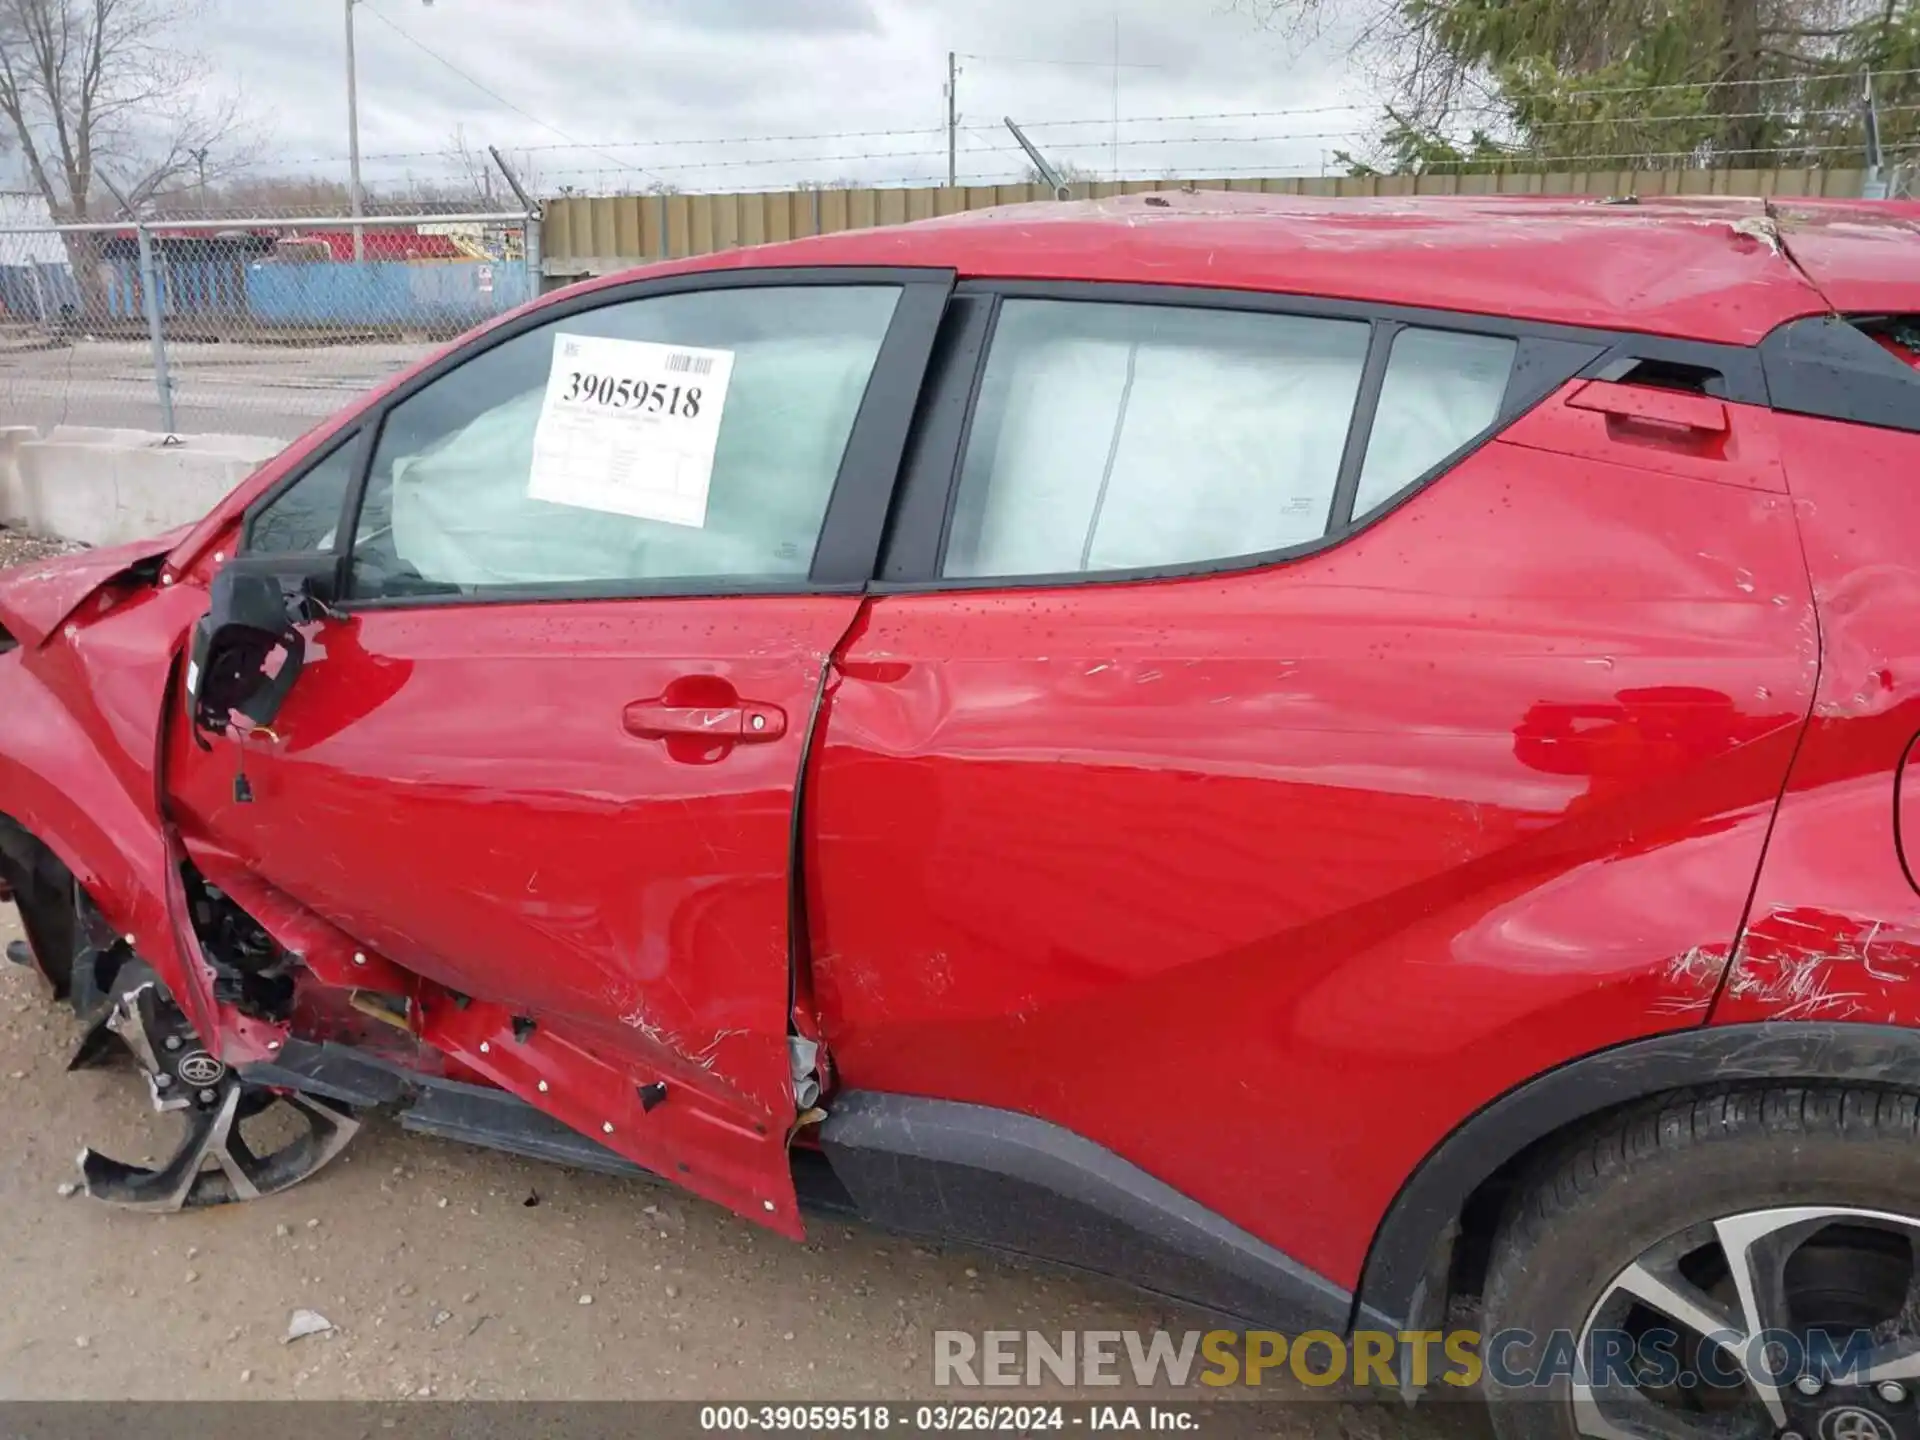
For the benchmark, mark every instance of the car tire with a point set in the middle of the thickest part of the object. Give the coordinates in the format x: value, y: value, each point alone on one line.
x: 1602, y: 1202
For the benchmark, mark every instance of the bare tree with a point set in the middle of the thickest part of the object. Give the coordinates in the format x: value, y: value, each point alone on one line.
x: 93, y: 87
x: 472, y: 164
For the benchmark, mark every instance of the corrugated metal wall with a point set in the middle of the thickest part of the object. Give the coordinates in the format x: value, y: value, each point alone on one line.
x: 582, y: 233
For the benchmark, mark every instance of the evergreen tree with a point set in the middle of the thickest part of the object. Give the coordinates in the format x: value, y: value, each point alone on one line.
x: 1630, y: 83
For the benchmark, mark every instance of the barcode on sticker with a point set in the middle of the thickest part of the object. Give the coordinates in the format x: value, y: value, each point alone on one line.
x: 690, y: 364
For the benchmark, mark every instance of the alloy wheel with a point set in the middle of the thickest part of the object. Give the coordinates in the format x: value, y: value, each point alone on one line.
x: 1798, y: 1322
x: 214, y: 1162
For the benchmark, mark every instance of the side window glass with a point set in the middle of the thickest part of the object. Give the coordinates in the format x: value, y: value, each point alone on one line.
x: 303, y: 517
x: 1118, y: 437
x: 1861, y: 369
x: 1442, y: 390
x: 688, y: 436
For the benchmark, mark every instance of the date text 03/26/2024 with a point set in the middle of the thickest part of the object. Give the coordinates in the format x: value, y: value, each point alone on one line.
x: 944, y: 1419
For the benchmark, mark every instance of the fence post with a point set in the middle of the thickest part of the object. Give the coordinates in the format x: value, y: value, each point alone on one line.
x: 1873, y: 186
x: 156, y: 332
x: 531, y: 245
x: 39, y: 295
x: 530, y: 230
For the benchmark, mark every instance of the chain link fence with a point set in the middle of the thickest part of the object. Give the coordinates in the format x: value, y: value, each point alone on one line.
x: 247, y: 325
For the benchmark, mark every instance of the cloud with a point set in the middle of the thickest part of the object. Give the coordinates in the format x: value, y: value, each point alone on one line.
x: 604, y: 94
x: 773, y: 17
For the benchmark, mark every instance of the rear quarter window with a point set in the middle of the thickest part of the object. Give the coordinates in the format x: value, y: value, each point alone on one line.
x: 1864, y: 369
x: 1121, y: 438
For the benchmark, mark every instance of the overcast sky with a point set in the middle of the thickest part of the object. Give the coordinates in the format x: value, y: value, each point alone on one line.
x: 673, y: 72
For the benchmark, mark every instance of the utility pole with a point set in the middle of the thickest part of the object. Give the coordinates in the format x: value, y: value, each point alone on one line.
x: 953, y: 119
x: 353, y: 144
x: 200, y: 164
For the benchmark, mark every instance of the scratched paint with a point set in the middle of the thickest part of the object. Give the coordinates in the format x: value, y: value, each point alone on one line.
x: 1834, y: 932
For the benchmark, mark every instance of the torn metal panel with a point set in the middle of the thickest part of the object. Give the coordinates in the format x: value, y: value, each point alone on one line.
x: 682, y: 1134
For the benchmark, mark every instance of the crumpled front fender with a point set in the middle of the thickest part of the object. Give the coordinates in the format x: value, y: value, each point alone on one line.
x: 79, y: 744
x: 36, y: 599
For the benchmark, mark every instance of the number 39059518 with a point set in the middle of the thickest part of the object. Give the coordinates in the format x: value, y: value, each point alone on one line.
x: 624, y: 394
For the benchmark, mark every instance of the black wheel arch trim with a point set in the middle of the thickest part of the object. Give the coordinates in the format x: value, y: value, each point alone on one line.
x: 1397, y: 1285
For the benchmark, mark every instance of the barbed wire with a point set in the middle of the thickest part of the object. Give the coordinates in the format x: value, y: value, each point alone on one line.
x: 682, y: 170
x: 1701, y: 117
x: 1294, y: 137
x: 1108, y: 122
x: 1517, y: 161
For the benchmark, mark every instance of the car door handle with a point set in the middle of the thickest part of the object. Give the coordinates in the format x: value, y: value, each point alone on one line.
x: 1699, y: 413
x: 745, y: 723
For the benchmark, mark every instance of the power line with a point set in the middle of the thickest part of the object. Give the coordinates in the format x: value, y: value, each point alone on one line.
x: 485, y: 89
x: 607, y: 145
x: 1043, y: 60
x: 1178, y: 119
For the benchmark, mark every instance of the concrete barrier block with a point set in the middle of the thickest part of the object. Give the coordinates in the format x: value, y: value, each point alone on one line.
x: 13, y: 489
x: 105, y: 487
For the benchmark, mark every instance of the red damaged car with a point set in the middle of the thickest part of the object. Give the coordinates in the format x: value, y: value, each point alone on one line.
x: 1332, y: 760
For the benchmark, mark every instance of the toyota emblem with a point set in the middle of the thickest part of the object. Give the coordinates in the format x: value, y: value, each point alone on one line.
x: 1850, y: 1422
x: 197, y: 1067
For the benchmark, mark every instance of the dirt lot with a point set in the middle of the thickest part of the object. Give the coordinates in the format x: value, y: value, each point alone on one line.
x: 452, y: 1273
x: 441, y: 1276
x: 457, y: 1273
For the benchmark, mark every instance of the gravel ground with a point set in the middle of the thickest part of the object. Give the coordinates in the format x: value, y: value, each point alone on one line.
x: 19, y: 548
x: 453, y: 1273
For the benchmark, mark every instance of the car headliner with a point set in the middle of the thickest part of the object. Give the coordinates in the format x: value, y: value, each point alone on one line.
x: 1703, y: 267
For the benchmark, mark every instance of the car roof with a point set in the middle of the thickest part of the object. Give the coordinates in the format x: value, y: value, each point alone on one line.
x: 1864, y: 255
x: 1701, y: 267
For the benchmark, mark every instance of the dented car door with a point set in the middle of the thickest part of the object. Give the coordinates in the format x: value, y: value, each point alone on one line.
x: 541, y: 759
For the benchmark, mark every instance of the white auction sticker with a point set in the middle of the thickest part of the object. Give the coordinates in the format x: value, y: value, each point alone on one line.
x: 630, y: 427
